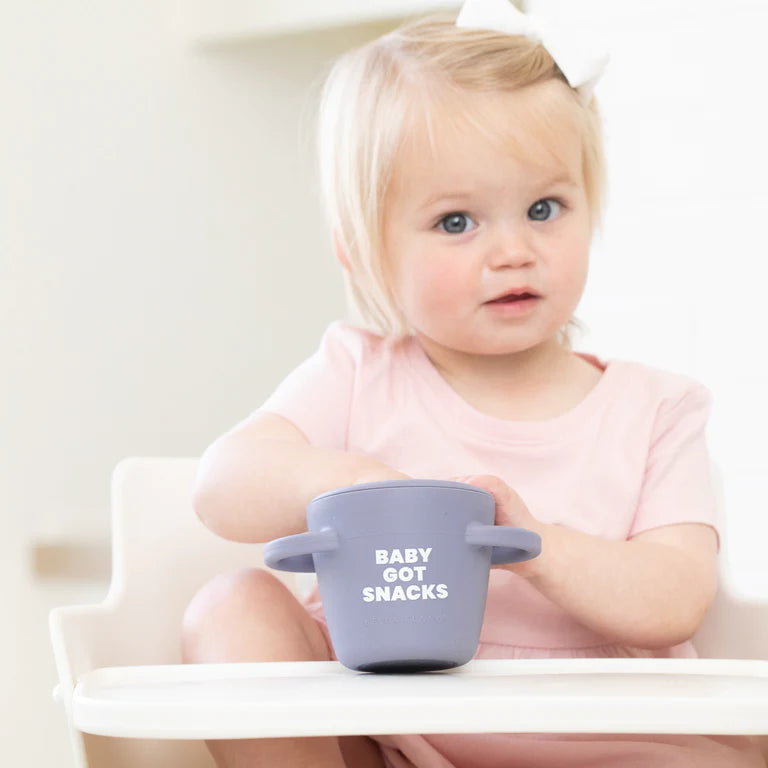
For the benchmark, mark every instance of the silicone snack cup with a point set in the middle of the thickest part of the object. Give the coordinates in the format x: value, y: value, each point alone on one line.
x: 402, y: 568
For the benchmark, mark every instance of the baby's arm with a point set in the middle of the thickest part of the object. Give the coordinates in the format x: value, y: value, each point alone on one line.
x: 652, y: 591
x: 255, y: 481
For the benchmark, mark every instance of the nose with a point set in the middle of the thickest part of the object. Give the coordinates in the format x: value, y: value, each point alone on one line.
x: 509, y: 247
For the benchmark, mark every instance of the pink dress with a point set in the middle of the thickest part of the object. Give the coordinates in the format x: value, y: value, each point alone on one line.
x: 629, y: 457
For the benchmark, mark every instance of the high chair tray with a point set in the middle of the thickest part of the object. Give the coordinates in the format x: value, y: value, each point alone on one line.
x: 202, y: 701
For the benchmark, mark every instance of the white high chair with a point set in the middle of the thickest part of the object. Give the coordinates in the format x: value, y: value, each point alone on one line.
x: 130, y: 702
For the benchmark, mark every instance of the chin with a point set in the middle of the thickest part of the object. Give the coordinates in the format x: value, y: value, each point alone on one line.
x: 494, y: 347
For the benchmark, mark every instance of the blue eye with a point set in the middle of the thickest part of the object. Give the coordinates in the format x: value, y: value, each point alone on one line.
x: 456, y: 223
x: 541, y: 209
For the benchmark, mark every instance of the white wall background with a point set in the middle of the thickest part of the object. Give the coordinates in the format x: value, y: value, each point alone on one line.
x: 163, y: 260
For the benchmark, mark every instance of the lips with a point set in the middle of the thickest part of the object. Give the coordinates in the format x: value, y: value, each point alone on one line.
x: 514, y: 296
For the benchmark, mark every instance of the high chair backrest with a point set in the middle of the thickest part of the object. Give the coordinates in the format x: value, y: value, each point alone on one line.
x: 161, y: 555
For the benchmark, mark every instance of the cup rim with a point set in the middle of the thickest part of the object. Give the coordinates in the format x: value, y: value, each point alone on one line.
x: 391, y: 484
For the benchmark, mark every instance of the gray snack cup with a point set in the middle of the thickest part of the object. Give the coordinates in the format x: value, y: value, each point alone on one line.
x: 402, y: 568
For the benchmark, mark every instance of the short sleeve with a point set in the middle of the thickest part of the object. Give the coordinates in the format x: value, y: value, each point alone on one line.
x: 677, y: 487
x: 316, y: 396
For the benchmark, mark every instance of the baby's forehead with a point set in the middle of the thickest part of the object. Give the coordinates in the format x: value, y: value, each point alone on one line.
x: 479, y: 131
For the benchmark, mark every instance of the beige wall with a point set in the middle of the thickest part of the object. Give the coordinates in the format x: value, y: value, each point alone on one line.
x: 163, y: 263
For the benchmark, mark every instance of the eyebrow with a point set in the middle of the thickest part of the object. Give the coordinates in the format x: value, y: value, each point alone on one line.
x: 550, y: 182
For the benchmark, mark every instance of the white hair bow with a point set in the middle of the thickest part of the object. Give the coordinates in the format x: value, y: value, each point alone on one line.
x: 581, y: 58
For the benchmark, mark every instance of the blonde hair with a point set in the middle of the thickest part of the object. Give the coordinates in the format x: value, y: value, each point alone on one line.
x: 367, y: 105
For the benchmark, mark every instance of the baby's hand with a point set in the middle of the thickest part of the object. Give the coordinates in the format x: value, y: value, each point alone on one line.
x: 510, y: 508
x: 375, y: 472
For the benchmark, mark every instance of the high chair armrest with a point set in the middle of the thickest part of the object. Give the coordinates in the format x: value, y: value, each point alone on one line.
x: 73, y: 629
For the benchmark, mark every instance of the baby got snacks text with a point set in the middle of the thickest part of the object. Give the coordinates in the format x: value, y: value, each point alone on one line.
x: 405, y: 577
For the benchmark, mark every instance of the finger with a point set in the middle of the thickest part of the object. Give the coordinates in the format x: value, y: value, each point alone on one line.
x: 493, y: 484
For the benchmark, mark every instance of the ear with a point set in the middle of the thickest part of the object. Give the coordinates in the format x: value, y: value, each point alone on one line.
x: 341, y: 255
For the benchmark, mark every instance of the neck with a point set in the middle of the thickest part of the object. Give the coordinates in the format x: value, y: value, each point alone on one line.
x: 524, y: 372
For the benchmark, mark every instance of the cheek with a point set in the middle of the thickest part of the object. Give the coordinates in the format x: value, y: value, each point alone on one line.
x: 577, y: 272
x: 572, y: 265
x: 436, y: 287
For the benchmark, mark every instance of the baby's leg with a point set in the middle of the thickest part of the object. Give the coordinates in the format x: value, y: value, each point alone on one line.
x: 250, y: 615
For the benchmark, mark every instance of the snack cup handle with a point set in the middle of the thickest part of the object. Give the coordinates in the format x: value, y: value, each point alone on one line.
x: 294, y: 553
x: 510, y: 545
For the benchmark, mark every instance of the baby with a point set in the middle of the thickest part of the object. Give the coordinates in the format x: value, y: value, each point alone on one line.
x: 463, y: 171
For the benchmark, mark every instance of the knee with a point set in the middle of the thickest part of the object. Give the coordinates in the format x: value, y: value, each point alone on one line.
x: 224, y: 602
